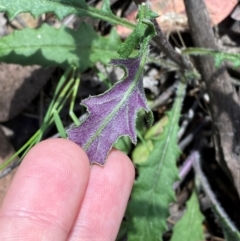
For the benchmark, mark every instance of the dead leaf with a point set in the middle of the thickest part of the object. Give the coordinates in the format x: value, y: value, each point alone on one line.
x: 19, y: 85
x: 172, y: 16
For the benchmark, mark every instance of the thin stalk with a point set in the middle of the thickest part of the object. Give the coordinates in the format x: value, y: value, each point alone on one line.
x: 28, y: 143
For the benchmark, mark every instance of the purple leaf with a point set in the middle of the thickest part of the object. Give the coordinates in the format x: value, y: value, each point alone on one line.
x: 112, y: 114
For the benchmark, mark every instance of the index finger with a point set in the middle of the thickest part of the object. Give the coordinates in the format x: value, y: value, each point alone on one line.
x: 46, y: 192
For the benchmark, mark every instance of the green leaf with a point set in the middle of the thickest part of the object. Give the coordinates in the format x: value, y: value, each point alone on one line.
x: 144, y: 28
x: 106, y: 6
x: 189, y: 227
x: 148, y: 208
x: 123, y: 144
x: 218, y: 56
x: 61, y: 8
x: 48, y: 46
x: 150, y: 118
x: 142, y: 151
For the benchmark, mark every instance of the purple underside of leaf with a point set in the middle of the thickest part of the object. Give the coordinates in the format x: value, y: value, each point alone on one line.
x: 112, y: 114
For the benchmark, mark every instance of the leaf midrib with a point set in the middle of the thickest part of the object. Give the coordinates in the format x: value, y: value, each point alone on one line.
x: 120, y: 105
x: 55, y: 46
x: 159, y: 169
x: 91, y: 11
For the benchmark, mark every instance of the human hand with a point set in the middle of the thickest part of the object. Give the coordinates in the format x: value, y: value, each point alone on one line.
x: 56, y: 195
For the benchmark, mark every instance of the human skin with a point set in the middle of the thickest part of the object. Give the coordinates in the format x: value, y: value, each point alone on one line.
x: 56, y: 195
